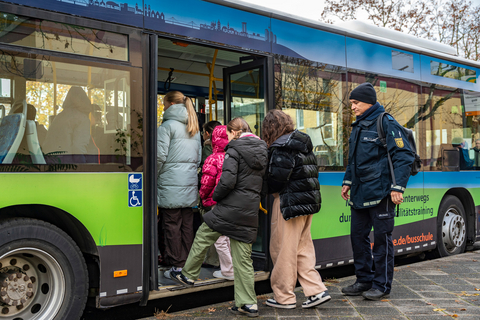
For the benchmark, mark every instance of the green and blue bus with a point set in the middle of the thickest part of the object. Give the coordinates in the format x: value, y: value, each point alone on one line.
x: 80, y: 221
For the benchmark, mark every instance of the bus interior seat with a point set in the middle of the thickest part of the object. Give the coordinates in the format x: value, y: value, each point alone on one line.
x: 323, y: 155
x: 449, y: 157
x: 12, y: 129
x: 33, y: 144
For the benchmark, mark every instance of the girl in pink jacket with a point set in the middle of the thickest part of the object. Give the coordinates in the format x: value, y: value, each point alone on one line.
x: 212, y: 170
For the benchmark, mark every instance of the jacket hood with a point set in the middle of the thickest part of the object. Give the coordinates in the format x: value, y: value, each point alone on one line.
x: 77, y: 99
x: 295, y: 140
x: 176, y: 112
x: 219, y: 139
x: 379, y: 109
x: 252, y: 149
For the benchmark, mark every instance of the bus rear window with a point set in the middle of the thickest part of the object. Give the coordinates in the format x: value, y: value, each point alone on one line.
x: 62, y: 37
x: 453, y: 72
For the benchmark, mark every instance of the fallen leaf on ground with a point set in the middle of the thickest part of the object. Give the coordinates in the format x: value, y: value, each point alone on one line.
x: 385, y: 300
x: 454, y: 315
x: 212, y: 309
x: 438, y: 309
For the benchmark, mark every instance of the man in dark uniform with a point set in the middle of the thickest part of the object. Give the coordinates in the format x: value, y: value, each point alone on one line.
x: 372, y: 194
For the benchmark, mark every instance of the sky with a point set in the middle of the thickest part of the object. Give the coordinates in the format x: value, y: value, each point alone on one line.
x: 311, y: 9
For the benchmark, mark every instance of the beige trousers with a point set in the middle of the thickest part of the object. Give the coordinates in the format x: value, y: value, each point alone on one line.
x: 293, y: 256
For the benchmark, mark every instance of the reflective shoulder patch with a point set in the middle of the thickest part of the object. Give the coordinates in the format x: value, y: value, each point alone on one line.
x: 226, y: 156
x: 399, y: 142
x: 390, y: 118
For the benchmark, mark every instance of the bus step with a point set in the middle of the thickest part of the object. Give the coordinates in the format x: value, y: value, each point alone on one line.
x: 198, y: 284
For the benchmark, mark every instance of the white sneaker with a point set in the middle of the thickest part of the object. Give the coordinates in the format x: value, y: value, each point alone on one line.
x: 219, y: 274
x: 316, y: 300
x: 273, y: 303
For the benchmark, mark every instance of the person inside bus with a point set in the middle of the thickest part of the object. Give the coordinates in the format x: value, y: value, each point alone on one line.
x: 476, y: 157
x: 69, y: 132
x: 292, y: 178
x: 178, y: 156
x: 465, y: 162
x: 212, y: 171
x: 211, y: 259
x: 235, y: 215
x: 373, y: 195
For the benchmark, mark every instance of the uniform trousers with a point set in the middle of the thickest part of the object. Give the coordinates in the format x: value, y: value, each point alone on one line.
x: 293, y: 256
x: 244, y: 284
x: 381, y: 217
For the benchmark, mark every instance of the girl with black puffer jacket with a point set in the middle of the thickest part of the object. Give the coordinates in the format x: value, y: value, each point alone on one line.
x: 235, y: 215
x: 292, y: 178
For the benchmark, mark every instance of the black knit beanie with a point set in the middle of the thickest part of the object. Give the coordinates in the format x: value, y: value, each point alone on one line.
x: 364, y: 93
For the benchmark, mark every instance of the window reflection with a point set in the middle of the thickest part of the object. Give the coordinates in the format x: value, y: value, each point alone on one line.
x: 311, y: 93
x: 453, y: 72
x: 63, y: 37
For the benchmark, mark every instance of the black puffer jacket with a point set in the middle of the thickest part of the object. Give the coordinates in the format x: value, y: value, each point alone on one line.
x: 293, y: 173
x: 238, y: 191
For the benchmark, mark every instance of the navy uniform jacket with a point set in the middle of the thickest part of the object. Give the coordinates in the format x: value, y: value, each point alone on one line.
x: 368, y: 172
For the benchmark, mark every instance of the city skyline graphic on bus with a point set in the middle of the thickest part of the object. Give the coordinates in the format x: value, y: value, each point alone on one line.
x: 209, y: 21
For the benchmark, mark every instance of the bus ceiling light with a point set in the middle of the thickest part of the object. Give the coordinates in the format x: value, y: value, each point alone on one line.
x: 394, y: 35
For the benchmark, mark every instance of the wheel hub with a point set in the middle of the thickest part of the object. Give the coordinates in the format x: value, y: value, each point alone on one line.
x: 16, y: 288
x: 453, y: 230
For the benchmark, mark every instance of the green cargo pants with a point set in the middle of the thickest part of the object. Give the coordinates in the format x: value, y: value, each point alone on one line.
x: 243, y: 272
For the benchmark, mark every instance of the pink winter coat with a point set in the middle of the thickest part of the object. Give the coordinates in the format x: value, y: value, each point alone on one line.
x: 212, y: 168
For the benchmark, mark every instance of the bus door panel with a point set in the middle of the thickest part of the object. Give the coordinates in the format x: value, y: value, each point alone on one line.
x: 248, y: 93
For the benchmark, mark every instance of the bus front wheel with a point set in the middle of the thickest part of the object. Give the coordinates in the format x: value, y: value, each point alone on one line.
x: 451, y: 228
x: 43, y: 274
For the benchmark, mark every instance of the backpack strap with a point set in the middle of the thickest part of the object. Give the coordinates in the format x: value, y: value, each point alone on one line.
x: 383, y: 140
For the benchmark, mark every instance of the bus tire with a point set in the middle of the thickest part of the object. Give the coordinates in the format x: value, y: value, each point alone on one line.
x: 451, y: 228
x: 43, y: 274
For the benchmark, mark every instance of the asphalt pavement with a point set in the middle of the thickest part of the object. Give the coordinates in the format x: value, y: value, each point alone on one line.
x: 435, y: 289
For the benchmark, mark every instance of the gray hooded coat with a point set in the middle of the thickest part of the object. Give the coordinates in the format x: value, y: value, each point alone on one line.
x: 178, y: 157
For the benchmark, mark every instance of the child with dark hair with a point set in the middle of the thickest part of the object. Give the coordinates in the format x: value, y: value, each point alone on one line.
x: 207, y: 137
x: 235, y: 215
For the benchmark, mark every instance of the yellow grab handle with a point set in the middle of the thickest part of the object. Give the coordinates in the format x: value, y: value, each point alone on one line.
x: 264, y: 210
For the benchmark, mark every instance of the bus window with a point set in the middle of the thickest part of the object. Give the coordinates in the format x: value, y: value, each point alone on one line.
x: 62, y: 37
x: 82, y: 114
x: 451, y: 122
x: 311, y: 93
x: 400, y: 98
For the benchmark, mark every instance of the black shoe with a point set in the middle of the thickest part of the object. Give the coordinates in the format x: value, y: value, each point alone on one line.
x: 374, y: 294
x: 356, y: 289
x: 251, y: 311
x: 178, y: 277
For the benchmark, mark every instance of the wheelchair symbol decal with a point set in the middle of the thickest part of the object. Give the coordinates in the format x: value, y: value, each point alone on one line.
x: 134, y: 198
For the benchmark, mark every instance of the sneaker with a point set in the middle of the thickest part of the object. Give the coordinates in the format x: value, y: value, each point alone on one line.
x: 374, y: 294
x: 317, y: 300
x: 219, y: 274
x: 250, y: 310
x: 356, y: 289
x: 178, y: 277
x: 275, y: 304
x: 166, y: 274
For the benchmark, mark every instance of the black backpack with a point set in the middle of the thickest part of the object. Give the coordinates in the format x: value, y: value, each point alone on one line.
x: 417, y: 162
